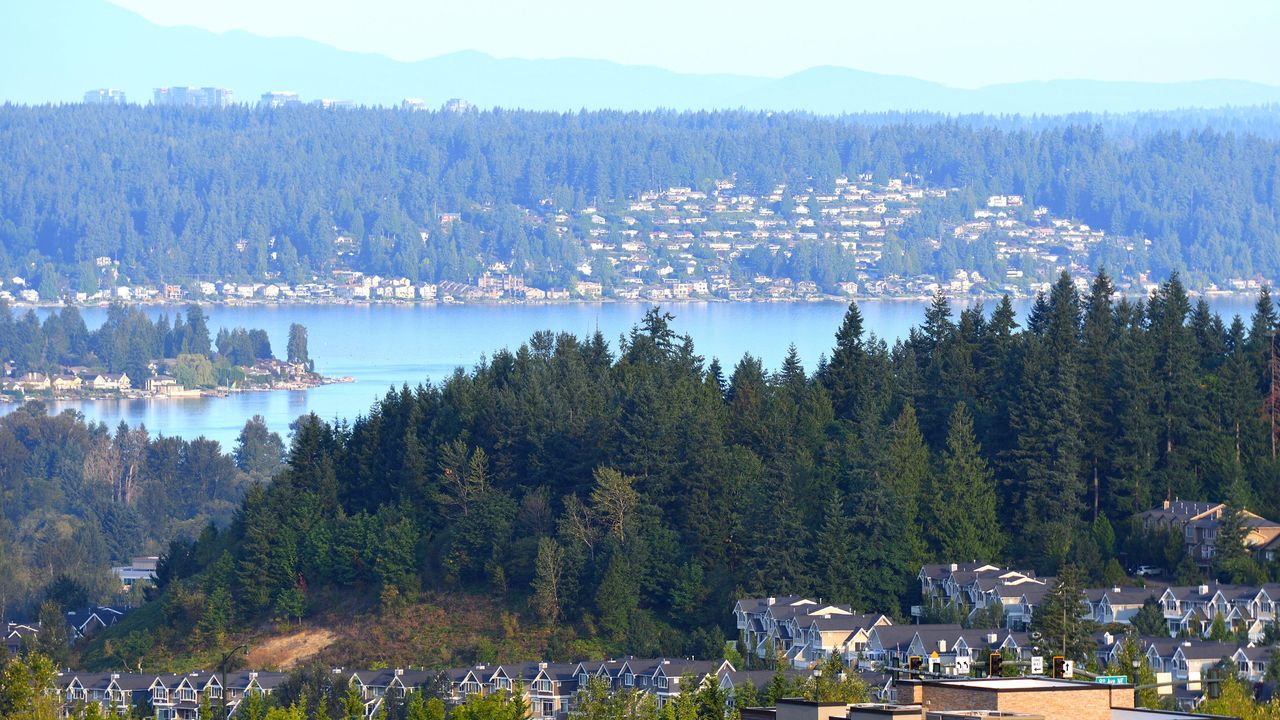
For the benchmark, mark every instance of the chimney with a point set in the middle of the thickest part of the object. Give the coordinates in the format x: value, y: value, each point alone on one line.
x: 115, y: 676
x: 770, y: 601
x: 1115, y: 589
x: 542, y: 666
x: 253, y: 676
x: 954, y: 567
x: 337, y: 671
x: 399, y: 672
x: 1166, y: 503
x: 1108, y: 638
x: 992, y: 638
x: 1204, y: 589
x: 907, y: 692
x: 942, y: 646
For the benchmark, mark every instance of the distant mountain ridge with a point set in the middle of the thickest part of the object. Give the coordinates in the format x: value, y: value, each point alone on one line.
x: 88, y: 44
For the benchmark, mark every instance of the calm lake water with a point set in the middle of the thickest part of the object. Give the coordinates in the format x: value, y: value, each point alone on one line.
x: 384, y: 346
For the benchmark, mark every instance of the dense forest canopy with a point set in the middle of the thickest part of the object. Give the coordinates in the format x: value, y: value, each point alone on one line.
x: 77, y: 498
x: 173, y: 194
x: 129, y: 342
x: 632, y: 491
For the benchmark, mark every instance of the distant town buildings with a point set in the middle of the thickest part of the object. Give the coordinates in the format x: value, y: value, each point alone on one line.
x: 279, y: 99
x: 203, y: 97
x: 105, y: 96
x: 331, y: 104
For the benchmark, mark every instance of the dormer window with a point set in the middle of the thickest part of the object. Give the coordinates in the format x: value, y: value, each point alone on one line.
x: 628, y: 679
x: 662, y: 682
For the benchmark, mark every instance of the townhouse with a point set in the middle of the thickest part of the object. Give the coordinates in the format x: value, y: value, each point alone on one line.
x: 169, y: 696
x: 947, y: 647
x: 977, y: 587
x: 1198, y: 522
x: 802, y: 631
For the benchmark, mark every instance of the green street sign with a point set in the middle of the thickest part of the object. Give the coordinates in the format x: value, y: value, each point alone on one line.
x: 1112, y: 679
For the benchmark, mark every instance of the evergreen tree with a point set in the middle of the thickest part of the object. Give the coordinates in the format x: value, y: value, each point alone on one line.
x: 959, y: 515
x: 1060, y: 618
x: 835, y: 552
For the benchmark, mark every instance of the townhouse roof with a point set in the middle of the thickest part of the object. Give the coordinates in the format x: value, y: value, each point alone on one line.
x: 1204, y: 649
x: 837, y: 622
x: 900, y: 637
x: 758, y: 605
x: 1180, y: 510
x: 1122, y: 595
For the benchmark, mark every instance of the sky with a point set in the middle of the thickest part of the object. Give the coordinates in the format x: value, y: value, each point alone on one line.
x: 958, y: 43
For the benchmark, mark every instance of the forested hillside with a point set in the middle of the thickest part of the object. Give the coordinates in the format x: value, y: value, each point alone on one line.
x: 77, y: 498
x: 173, y: 194
x: 630, y: 491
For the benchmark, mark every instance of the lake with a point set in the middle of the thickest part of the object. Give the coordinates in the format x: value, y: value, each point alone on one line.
x: 386, y: 345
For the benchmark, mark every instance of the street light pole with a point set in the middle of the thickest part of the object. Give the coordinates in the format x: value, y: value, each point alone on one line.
x: 222, y: 681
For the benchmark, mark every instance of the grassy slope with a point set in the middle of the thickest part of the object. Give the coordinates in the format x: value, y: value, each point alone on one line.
x: 432, y: 630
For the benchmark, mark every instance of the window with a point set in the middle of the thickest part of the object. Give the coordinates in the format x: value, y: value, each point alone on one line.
x: 548, y: 709
x: 627, y: 679
x: 543, y: 685
x: 662, y: 682
x: 215, y: 691
x: 583, y: 678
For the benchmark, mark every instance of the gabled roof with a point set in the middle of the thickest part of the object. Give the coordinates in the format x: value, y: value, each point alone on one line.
x: 851, y: 623
x: 1121, y: 595
x: 759, y: 605
x: 1180, y: 510
x: 1204, y: 649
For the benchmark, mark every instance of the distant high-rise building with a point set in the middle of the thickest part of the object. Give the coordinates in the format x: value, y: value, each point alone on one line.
x: 457, y: 105
x: 105, y: 96
x: 413, y: 104
x: 205, y: 97
x: 331, y: 104
x: 278, y: 99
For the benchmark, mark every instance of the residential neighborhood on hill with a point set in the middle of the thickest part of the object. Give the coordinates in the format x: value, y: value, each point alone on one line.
x: 718, y: 243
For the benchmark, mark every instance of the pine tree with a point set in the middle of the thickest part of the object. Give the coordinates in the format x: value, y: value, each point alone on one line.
x: 960, y: 501
x: 835, y: 552
x: 1098, y: 335
x: 845, y: 370
x: 1060, y: 618
x: 888, y: 508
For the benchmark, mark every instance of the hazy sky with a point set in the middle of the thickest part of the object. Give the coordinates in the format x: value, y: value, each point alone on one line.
x: 951, y: 41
